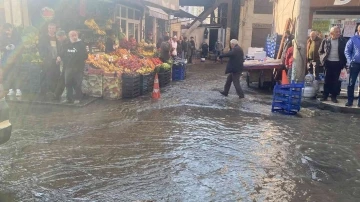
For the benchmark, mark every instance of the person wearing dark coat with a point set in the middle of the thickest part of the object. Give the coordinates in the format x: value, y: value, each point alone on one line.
x: 204, y: 50
x: 332, y: 57
x: 63, y: 42
x: 48, y: 52
x: 165, y: 49
x: 312, y: 54
x: 234, y: 68
x: 191, y: 50
x: 10, y: 47
x: 73, y: 57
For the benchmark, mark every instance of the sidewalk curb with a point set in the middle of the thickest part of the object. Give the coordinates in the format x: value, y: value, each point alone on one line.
x: 326, y: 106
x: 49, y: 103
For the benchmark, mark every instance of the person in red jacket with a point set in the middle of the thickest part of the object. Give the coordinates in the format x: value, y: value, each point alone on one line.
x: 289, y: 59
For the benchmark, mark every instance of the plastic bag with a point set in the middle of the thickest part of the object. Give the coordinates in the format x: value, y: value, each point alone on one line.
x: 344, y: 76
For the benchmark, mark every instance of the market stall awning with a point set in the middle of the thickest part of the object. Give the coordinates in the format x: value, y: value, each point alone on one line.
x: 158, y: 13
x: 183, y: 14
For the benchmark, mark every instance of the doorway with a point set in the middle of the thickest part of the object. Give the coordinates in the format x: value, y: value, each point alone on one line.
x: 259, y: 36
x: 214, y: 35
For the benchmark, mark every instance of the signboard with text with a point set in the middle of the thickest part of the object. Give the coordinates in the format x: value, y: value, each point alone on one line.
x: 334, y: 3
x: 349, y: 28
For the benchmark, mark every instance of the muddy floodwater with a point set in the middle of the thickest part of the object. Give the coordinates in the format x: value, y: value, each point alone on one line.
x: 191, y: 145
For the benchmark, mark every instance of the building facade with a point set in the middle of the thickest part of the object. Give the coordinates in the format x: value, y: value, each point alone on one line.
x: 337, y: 9
x: 14, y: 12
x: 256, y: 19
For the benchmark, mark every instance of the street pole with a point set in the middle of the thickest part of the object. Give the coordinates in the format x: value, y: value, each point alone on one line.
x: 301, y: 15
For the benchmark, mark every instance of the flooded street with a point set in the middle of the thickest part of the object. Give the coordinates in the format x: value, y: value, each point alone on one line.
x: 191, y: 145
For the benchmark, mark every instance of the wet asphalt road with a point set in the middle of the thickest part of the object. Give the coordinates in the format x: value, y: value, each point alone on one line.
x: 191, y: 145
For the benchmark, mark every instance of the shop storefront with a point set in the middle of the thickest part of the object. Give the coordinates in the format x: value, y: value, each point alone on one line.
x: 155, y: 24
x: 129, y: 20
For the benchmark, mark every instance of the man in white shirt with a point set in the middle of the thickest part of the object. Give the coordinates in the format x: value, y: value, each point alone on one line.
x: 332, y: 57
x: 174, y: 45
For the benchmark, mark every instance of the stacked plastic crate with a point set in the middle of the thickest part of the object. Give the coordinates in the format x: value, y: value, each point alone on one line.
x: 178, y: 71
x: 272, y: 45
x: 287, y: 98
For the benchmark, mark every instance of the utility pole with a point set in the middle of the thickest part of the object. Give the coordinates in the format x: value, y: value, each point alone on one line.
x: 301, y: 15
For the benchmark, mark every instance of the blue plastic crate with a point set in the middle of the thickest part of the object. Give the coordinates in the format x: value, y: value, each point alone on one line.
x: 287, y: 98
x: 178, y: 72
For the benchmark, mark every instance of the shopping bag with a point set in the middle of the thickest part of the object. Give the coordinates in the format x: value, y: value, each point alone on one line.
x: 344, y: 76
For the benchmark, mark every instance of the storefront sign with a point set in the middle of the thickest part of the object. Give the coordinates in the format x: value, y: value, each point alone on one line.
x: 349, y: 28
x: 321, y: 25
x: 341, y: 2
x: 47, y: 13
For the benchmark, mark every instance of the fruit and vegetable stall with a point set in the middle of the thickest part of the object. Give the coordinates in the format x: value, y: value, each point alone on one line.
x: 128, y: 74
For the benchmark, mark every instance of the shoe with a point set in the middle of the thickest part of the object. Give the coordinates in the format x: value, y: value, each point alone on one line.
x: 223, y: 93
x: 348, y: 104
x: 18, y: 93
x: 242, y: 96
x: 77, y: 102
x: 334, y: 100
x: 11, y: 92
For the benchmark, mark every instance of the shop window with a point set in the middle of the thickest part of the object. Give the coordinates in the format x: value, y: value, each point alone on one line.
x: 263, y: 7
x: 259, y: 36
x: 123, y: 12
x: 131, y: 13
x: 137, y: 32
x: 131, y: 31
x: 123, y: 26
x: 137, y: 15
x: 129, y: 20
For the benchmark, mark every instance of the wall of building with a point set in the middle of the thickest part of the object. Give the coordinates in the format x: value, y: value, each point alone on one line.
x: 15, y: 12
x: 248, y: 20
x: 198, y: 35
x: 175, y: 27
x: 2, y: 12
x: 283, y: 10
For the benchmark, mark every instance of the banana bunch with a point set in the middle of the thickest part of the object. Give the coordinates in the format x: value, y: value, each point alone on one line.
x: 100, y: 32
x: 145, y: 70
x: 91, y: 24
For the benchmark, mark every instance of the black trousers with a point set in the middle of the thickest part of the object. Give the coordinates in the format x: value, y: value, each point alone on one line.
x: 73, y: 81
x: 50, y: 76
x: 191, y: 56
x: 60, y: 85
x: 354, y: 73
x: 332, y: 74
x: 235, y: 79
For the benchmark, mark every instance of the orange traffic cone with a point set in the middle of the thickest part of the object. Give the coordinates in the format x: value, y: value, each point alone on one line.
x: 156, y: 91
x: 284, y: 79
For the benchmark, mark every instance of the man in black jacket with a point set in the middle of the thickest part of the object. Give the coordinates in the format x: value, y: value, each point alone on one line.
x: 332, y: 57
x: 73, y: 57
x: 192, y: 50
x: 234, y: 68
x: 63, y: 42
x: 48, y: 52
